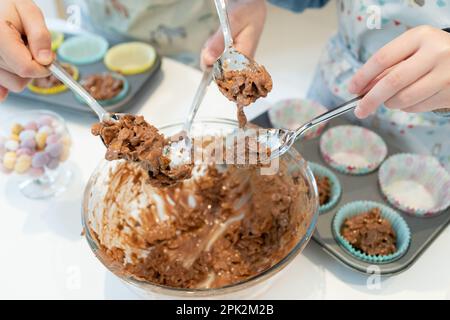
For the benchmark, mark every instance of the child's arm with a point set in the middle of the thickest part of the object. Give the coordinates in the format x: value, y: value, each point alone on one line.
x: 411, y: 73
x: 247, y: 18
x: 18, y: 63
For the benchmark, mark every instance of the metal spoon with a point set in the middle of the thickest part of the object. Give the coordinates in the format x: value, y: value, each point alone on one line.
x: 279, y: 141
x: 276, y: 142
x: 58, y: 71
x: 176, y: 152
x: 231, y: 59
x: 104, y: 116
x: 198, y: 98
x: 179, y: 150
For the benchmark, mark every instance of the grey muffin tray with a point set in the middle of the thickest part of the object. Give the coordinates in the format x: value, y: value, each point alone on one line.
x: 67, y: 99
x: 366, y: 187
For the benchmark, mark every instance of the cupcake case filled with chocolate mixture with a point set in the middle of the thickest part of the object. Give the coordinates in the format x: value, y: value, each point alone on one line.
x: 90, y: 73
x: 366, y: 188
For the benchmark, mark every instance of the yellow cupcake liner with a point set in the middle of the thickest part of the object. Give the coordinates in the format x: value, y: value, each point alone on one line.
x: 130, y: 58
x: 57, y: 39
x: 56, y: 89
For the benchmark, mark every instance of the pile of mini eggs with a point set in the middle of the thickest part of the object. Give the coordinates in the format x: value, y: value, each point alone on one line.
x: 35, y: 146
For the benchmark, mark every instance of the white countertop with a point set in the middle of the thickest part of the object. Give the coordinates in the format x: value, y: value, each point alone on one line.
x: 44, y: 255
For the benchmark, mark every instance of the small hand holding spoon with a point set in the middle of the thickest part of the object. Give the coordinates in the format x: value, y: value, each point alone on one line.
x: 231, y: 59
x: 238, y: 77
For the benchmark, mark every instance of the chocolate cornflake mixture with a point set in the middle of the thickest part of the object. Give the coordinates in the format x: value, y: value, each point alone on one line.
x: 51, y: 81
x: 241, y: 117
x: 245, y: 87
x: 324, y: 186
x: 133, y: 139
x: 218, y: 229
x: 370, y: 233
x: 103, y: 86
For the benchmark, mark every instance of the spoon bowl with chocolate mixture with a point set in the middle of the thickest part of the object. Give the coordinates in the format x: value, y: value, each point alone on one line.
x: 231, y: 59
x: 239, y: 78
x: 133, y: 139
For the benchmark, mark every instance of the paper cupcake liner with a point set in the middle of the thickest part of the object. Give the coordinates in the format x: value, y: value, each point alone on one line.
x: 57, y: 39
x: 399, y: 225
x: 403, y: 119
x: 83, y: 49
x: 352, y: 149
x: 56, y: 89
x: 292, y: 113
x: 336, y: 189
x: 415, y: 184
x: 122, y: 94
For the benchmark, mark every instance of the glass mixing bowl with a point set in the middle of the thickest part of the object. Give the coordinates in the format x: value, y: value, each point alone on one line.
x: 93, y: 212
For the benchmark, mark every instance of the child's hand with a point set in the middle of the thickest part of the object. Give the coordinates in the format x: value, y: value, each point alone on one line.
x: 411, y: 73
x: 18, y: 63
x: 247, y: 19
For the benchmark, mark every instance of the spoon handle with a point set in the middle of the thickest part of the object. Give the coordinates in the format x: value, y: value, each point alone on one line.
x: 221, y: 7
x: 199, y: 95
x: 333, y: 113
x: 58, y: 71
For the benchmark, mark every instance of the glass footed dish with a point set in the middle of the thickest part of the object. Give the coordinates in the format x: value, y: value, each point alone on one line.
x: 34, y: 146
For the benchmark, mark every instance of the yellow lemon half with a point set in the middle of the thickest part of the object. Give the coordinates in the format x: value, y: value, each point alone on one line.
x: 130, y: 58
